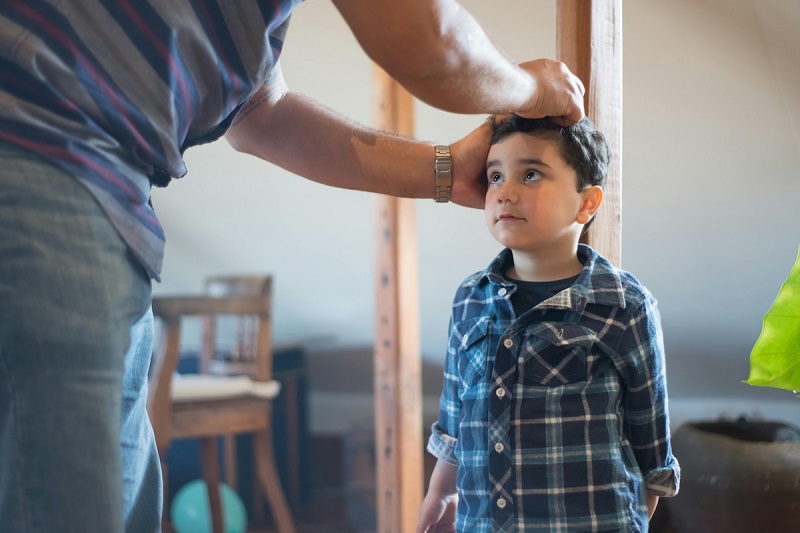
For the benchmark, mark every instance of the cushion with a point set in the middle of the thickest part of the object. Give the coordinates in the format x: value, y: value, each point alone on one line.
x: 193, y: 387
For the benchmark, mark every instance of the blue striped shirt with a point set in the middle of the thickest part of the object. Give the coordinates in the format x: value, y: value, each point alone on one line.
x: 114, y: 91
x: 557, y: 419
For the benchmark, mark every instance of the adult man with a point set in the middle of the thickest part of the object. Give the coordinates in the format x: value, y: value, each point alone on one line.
x: 98, y: 101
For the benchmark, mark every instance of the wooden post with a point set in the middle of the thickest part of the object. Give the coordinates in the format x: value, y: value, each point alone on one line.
x: 589, y: 42
x: 398, y: 390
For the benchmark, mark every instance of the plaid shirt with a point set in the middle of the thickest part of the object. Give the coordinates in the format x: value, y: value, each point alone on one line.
x: 557, y: 419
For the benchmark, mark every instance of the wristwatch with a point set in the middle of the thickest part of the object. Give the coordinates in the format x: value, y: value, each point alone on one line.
x: 443, y: 167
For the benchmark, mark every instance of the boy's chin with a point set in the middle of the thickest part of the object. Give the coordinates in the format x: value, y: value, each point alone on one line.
x: 512, y: 240
x: 516, y: 246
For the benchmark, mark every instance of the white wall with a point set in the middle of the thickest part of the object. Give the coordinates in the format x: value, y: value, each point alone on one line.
x: 711, y: 151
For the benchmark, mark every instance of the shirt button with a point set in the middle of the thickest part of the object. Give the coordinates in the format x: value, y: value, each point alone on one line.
x: 508, y: 343
x: 501, y: 503
x: 499, y: 447
x: 500, y: 392
x: 502, y: 291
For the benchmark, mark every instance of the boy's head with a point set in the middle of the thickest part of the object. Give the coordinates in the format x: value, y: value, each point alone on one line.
x: 545, y: 181
x: 582, y: 147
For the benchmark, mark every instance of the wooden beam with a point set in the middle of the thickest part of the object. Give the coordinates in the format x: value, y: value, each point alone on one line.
x: 589, y: 42
x: 398, y: 390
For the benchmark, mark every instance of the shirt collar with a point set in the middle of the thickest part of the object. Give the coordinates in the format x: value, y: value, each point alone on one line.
x: 598, y: 283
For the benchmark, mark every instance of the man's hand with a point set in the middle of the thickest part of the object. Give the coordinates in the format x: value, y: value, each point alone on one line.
x: 469, y: 166
x: 559, y: 93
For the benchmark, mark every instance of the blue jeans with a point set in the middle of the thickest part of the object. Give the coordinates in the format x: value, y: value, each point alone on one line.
x: 77, y: 452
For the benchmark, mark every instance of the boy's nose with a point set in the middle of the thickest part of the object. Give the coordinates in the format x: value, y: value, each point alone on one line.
x: 506, y: 193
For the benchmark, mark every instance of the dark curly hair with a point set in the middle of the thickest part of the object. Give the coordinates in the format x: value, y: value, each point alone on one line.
x: 582, y: 147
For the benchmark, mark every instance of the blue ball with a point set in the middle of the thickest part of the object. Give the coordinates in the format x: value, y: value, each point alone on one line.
x: 190, y: 512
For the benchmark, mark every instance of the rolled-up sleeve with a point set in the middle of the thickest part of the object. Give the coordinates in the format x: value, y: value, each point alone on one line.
x: 647, y: 419
x: 664, y: 481
x: 442, y: 446
x: 443, y: 438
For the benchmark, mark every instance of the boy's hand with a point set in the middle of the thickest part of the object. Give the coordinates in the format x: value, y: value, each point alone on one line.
x: 438, y: 514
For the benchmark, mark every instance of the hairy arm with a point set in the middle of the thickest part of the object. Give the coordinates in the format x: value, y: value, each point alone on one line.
x: 303, y: 137
x: 439, y: 52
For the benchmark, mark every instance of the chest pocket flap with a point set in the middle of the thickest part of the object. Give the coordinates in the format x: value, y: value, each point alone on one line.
x: 472, y: 340
x: 556, y: 354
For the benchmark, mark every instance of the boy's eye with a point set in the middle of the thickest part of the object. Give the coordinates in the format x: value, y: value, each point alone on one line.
x: 532, y: 175
x: 494, y: 177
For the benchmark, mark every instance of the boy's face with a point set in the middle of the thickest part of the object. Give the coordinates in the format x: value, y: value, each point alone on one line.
x: 532, y: 202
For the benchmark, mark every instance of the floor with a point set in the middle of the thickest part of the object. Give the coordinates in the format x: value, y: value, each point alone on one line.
x: 325, y: 509
x: 326, y: 513
x: 324, y: 505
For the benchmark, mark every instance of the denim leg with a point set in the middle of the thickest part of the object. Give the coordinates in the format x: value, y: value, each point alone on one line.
x: 73, y: 303
x: 141, y: 466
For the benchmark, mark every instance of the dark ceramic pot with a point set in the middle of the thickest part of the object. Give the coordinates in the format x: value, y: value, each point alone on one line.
x: 737, y: 476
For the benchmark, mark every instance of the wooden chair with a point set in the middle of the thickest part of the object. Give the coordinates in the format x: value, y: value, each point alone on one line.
x: 232, y: 394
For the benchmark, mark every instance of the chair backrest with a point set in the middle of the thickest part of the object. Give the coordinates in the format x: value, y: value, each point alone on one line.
x: 242, y: 343
x: 230, y: 296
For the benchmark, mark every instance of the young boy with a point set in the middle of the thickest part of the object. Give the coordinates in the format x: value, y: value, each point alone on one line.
x: 554, y: 410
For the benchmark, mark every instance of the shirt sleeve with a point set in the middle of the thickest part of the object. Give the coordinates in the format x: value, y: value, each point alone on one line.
x: 444, y: 432
x: 647, y: 419
x: 441, y: 445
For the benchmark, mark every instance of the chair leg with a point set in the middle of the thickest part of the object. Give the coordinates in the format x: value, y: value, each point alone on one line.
x: 271, y: 483
x: 231, y: 463
x: 210, y: 460
x: 292, y: 437
x: 257, y: 501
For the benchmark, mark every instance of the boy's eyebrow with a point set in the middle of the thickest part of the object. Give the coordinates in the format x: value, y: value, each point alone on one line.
x: 534, y: 162
x: 493, y: 162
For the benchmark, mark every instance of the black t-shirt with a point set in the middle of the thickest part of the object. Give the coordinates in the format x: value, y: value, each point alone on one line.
x: 529, y: 294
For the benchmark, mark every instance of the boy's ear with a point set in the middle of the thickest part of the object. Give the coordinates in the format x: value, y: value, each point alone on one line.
x: 592, y: 198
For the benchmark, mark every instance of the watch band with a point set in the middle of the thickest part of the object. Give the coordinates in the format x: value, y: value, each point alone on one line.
x: 443, y: 167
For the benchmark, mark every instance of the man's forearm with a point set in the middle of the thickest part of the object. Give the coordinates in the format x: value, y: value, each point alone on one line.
x: 440, y: 53
x: 303, y: 137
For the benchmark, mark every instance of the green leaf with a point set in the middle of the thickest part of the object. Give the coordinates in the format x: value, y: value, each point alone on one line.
x: 775, y: 359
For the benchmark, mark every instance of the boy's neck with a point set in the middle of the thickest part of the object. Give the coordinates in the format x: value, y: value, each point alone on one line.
x: 544, y: 266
